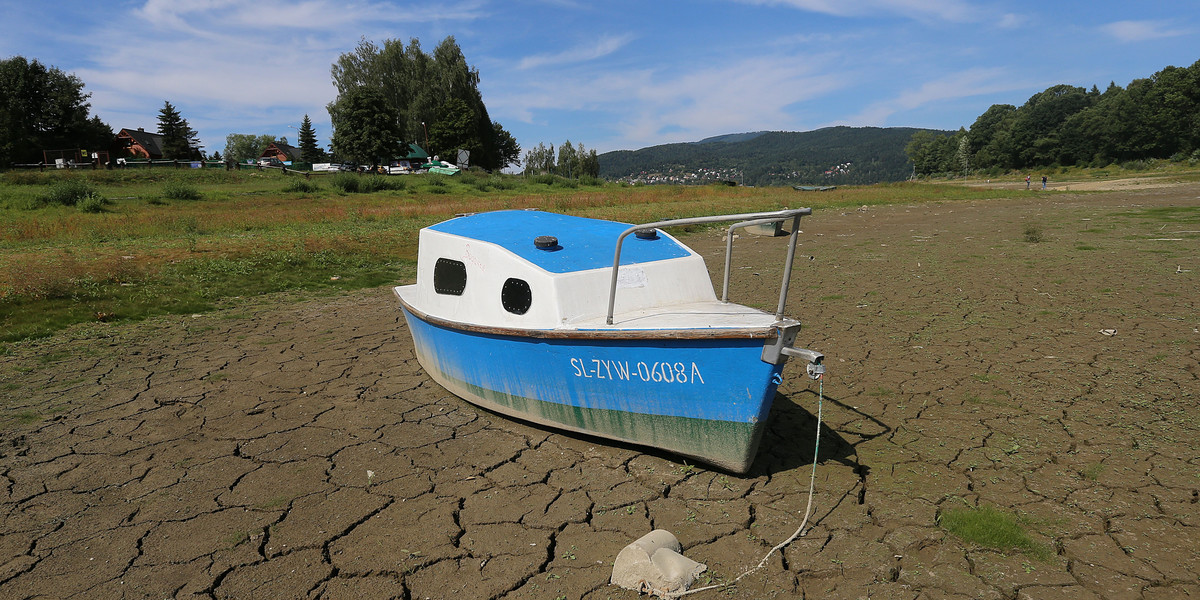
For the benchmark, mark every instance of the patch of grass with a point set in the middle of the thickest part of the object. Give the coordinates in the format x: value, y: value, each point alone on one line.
x: 179, y: 190
x: 187, y: 287
x: 1033, y: 234
x: 27, y: 417
x: 991, y: 528
x: 302, y: 186
x: 1092, y: 472
x: 276, y: 502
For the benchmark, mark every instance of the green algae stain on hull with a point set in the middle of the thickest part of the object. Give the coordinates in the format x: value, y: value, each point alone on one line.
x: 725, y: 444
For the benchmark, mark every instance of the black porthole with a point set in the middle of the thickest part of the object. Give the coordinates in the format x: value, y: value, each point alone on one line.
x: 516, y: 296
x: 449, y: 277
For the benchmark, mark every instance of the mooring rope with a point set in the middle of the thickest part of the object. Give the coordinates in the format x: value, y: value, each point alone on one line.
x: 812, y: 483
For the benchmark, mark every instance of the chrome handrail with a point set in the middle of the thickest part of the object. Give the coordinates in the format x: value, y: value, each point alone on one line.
x: 744, y: 220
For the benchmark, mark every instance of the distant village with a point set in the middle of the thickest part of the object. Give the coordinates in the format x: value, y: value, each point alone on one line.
x: 727, y: 175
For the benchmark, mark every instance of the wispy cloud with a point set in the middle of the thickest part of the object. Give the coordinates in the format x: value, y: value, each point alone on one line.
x: 601, y: 48
x: 648, y: 106
x: 1140, y: 31
x: 237, y: 66
x: 964, y: 84
x: 940, y: 10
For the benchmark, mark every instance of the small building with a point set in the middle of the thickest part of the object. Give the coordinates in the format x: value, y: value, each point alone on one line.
x: 415, y: 153
x: 138, y: 143
x: 414, y: 156
x: 281, y: 152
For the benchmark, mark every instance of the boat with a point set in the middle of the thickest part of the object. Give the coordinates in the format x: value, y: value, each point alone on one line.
x: 440, y: 167
x: 602, y: 328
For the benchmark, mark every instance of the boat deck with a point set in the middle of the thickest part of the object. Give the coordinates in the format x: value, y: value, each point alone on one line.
x: 696, y: 315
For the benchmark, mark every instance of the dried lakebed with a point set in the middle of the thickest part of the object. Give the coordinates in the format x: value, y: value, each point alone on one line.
x: 292, y: 448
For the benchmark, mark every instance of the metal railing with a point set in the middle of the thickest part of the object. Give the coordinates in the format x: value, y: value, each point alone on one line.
x: 743, y: 220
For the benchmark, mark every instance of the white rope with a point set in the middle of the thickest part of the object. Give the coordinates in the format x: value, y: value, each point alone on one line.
x: 812, y: 482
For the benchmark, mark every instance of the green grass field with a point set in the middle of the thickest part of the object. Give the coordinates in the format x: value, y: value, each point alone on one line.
x: 79, y: 246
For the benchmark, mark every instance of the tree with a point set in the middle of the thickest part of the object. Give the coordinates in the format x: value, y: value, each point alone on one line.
x: 43, y: 108
x: 363, y: 131
x: 310, y: 152
x: 507, y: 147
x: 567, y: 160
x: 539, y: 160
x: 179, y: 139
x: 216, y: 156
x: 454, y: 129
x: 240, y: 147
x: 417, y: 91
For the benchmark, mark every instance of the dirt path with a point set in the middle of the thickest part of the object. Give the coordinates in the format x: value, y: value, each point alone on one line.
x: 286, y: 449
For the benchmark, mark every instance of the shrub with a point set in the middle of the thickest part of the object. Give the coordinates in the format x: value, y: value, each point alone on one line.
x: 177, y: 190
x: 1033, y: 234
x: 68, y: 192
x: 92, y: 203
x: 345, y: 182
x: 375, y: 183
x: 302, y: 186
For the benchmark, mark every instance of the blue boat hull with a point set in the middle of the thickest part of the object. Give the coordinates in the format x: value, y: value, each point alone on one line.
x: 706, y: 399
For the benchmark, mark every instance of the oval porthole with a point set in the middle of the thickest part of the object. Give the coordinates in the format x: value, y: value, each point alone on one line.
x: 515, y: 296
x: 449, y: 277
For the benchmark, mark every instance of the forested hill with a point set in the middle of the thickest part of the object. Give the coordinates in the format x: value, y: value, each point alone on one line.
x: 830, y: 156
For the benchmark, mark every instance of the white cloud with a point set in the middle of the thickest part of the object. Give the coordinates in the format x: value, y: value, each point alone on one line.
x: 963, y: 84
x: 938, y: 10
x: 652, y: 106
x: 601, y: 48
x: 230, y: 65
x: 1140, y: 31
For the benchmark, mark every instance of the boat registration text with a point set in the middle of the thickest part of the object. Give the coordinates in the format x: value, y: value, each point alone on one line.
x: 657, y: 372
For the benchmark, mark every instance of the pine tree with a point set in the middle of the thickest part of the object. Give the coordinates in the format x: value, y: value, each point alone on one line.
x: 309, y: 151
x: 179, y: 139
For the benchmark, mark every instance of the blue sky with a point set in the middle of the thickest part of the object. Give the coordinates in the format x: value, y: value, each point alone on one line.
x: 611, y: 75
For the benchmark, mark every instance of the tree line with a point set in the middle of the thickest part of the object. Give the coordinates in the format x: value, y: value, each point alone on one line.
x: 388, y: 96
x: 572, y: 161
x: 43, y: 108
x: 1153, y: 118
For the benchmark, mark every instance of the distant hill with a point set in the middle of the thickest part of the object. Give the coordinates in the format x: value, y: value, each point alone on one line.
x: 829, y: 156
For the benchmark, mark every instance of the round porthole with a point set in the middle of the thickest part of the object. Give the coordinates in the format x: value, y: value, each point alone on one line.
x: 515, y: 296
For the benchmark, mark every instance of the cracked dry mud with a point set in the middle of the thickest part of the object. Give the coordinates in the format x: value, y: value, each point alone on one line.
x: 227, y: 455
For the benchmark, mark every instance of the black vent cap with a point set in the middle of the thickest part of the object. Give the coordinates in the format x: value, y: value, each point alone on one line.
x: 546, y: 242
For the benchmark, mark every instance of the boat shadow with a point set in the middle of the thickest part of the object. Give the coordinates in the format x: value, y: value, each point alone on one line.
x: 790, y: 438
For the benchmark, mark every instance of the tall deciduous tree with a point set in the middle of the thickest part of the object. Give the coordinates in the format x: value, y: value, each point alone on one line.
x: 454, y: 129
x: 539, y: 160
x: 43, y: 108
x: 240, y: 147
x: 507, y: 147
x: 363, y: 131
x: 417, y: 89
x: 179, y: 139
